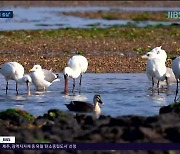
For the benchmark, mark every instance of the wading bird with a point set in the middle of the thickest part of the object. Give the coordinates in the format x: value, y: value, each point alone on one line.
x: 15, y: 71
x: 76, y: 66
x: 80, y: 106
x: 156, y: 68
x: 176, y: 70
x: 42, y: 78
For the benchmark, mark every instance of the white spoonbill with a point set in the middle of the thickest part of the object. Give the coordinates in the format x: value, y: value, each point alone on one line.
x: 15, y: 71
x: 176, y: 70
x: 42, y: 78
x: 76, y: 66
x: 156, y: 68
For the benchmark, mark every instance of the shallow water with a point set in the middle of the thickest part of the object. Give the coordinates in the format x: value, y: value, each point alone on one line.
x: 33, y: 18
x: 123, y: 94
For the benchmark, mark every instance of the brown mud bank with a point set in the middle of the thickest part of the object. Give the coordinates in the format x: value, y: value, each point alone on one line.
x: 116, y: 49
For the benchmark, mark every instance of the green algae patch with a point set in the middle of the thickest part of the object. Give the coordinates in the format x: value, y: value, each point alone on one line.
x: 10, y: 113
x: 122, y: 15
x: 177, y: 104
x: 172, y: 108
x: 38, y: 140
x: 55, y: 113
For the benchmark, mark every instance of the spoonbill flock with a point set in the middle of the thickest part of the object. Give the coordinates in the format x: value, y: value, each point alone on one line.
x: 156, y: 71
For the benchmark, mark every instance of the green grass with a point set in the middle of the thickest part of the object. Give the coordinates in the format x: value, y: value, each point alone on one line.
x: 80, y: 52
x: 108, y: 17
x: 114, y: 32
x: 140, y: 17
x: 130, y: 33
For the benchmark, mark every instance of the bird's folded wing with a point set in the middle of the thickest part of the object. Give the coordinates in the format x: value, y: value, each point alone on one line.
x: 50, y: 76
x: 170, y: 75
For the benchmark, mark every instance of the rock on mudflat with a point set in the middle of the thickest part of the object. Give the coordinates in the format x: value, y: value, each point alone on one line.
x: 57, y: 126
x: 16, y: 117
x: 172, y: 108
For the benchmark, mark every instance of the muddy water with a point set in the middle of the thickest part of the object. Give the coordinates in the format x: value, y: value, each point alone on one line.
x: 123, y: 94
x: 51, y: 18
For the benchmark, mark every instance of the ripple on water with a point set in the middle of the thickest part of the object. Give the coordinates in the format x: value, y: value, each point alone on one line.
x: 52, y: 18
x: 123, y: 94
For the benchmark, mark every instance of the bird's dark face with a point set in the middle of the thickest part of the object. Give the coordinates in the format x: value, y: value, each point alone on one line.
x: 67, y: 71
x: 66, y: 75
x: 97, y: 98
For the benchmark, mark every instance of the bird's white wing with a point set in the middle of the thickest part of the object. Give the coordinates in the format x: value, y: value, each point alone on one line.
x: 171, y: 75
x: 78, y: 61
x: 73, y: 62
x: 49, y: 75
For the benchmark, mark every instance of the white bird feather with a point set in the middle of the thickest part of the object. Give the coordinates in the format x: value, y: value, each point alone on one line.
x: 42, y: 78
x: 156, y: 69
x: 176, y: 70
x: 76, y: 66
x: 15, y: 71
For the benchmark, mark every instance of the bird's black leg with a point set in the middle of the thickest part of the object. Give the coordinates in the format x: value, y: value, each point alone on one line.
x: 80, y: 84
x: 74, y: 82
x: 152, y: 84
x: 16, y: 88
x: 176, y: 90
x: 6, y: 87
x: 158, y: 87
x: 167, y: 83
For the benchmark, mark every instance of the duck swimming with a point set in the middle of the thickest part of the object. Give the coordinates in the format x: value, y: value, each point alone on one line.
x: 80, y: 106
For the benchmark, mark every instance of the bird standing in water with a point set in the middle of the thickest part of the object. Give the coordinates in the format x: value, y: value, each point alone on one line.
x: 42, y: 78
x: 76, y: 66
x: 15, y: 71
x: 176, y: 70
x: 156, y: 68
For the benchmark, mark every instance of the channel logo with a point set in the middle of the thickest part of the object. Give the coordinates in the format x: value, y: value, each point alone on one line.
x: 6, y: 14
x: 7, y: 139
